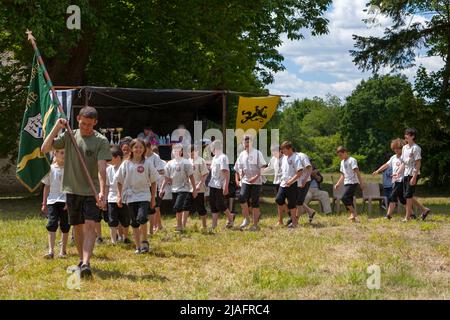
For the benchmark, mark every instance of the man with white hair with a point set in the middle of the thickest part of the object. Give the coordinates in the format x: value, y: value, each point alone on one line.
x: 218, y: 184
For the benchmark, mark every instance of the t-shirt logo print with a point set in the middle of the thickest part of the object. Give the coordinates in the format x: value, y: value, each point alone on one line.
x: 178, y: 168
x: 140, y: 169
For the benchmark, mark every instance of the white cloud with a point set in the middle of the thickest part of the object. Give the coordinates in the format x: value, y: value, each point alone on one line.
x: 321, y: 65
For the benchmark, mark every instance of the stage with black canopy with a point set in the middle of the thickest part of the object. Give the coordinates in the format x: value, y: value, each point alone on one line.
x: 163, y: 110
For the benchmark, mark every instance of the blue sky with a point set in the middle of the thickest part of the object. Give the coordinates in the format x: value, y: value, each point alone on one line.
x: 317, y: 66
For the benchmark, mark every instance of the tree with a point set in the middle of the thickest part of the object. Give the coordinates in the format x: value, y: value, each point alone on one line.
x: 376, y: 112
x: 185, y: 44
x: 397, y: 49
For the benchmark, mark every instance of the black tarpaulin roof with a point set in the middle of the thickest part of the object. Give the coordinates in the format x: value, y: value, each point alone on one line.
x: 164, y: 110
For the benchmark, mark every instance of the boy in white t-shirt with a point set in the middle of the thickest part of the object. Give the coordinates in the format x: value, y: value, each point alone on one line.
x: 394, y: 164
x: 248, y: 168
x: 411, y: 164
x: 116, y: 215
x: 136, y: 185
x: 303, y: 186
x: 218, y: 185
x: 351, y: 178
x: 54, y: 205
x: 291, y: 171
x: 201, y: 172
x: 179, y: 174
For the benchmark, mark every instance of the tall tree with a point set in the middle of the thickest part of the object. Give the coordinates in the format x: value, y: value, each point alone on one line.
x: 397, y: 49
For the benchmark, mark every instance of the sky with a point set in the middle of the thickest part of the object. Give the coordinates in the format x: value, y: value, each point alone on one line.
x: 321, y: 65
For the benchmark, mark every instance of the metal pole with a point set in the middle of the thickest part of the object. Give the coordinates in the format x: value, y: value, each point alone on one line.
x: 61, y: 110
x: 224, y: 118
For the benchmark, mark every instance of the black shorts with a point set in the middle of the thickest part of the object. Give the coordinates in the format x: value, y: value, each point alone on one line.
x: 58, y: 217
x: 302, y: 192
x: 198, y: 204
x: 289, y: 193
x: 217, y: 200
x: 82, y: 208
x: 250, y: 191
x: 397, y: 193
x: 138, y: 213
x: 103, y: 216
x: 118, y: 215
x: 182, y: 201
x: 349, y: 193
x: 409, y: 190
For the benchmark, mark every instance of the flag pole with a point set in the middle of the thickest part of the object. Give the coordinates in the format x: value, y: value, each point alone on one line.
x: 61, y: 110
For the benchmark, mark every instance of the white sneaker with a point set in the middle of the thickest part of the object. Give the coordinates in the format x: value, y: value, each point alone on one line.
x: 244, y: 223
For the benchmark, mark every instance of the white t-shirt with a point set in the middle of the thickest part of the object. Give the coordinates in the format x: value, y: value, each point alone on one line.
x: 219, y: 163
x: 347, y: 167
x: 410, y: 154
x: 304, y: 159
x: 179, y: 170
x: 200, y: 169
x: 273, y: 168
x: 289, y: 168
x: 159, y: 182
x: 111, y: 183
x: 156, y: 161
x: 54, y: 180
x: 136, y: 179
x: 394, y: 163
x: 249, y: 164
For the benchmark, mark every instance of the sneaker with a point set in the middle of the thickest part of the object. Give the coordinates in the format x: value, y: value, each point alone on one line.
x: 254, y: 228
x: 413, y: 216
x: 289, y: 222
x: 145, y: 248
x: 424, y: 215
x: 388, y: 217
x: 86, y: 271
x: 99, y: 240
x: 291, y: 226
x: 62, y: 255
x: 49, y: 256
x: 137, y: 251
x: 405, y: 220
x: 244, y: 223
x: 311, y: 217
x: 229, y: 224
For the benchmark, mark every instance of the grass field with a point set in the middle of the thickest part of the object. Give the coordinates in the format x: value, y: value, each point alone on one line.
x: 325, y: 260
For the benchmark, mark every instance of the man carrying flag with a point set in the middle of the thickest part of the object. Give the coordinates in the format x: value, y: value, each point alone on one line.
x: 86, y: 153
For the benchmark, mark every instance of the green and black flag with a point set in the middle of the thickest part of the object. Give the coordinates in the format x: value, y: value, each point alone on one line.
x: 41, y: 113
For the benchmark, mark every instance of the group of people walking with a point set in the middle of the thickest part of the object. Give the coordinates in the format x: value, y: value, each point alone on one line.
x: 133, y: 181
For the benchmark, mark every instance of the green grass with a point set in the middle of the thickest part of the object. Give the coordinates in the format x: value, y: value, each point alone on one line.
x: 325, y: 260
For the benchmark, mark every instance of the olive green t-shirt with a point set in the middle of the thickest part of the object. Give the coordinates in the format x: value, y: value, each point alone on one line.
x: 94, y: 148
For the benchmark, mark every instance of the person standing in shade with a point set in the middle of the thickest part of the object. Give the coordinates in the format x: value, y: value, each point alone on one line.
x: 81, y: 203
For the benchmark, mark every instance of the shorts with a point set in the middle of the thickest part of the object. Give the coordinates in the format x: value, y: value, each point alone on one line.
x: 289, y: 193
x: 217, y: 200
x: 250, y: 191
x: 138, y: 213
x: 349, y: 193
x: 387, y: 192
x: 118, y: 215
x: 302, y: 192
x: 198, y: 205
x: 397, y: 193
x: 82, y: 208
x: 58, y: 217
x: 158, y: 201
x: 103, y: 215
x: 409, y: 190
x: 182, y: 201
